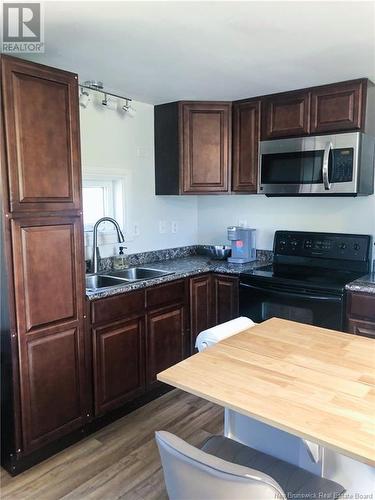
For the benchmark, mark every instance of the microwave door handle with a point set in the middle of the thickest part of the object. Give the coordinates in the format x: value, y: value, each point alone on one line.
x: 327, y: 150
x: 282, y: 293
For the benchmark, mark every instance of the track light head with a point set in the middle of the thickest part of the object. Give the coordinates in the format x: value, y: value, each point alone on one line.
x: 84, y: 99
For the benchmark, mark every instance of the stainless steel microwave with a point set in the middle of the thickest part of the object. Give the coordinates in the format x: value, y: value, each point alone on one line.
x: 340, y: 164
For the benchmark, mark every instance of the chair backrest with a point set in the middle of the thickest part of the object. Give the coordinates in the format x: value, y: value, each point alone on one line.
x: 192, y: 474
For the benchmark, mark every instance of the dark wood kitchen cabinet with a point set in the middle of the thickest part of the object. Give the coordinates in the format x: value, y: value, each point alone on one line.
x: 119, y: 363
x: 135, y: 336
x: 200, y: 306
x: 285, y: 115
x: 44, y: 340
x: 225, y: 298
x: 42, y: 137
x: 333, y: 108
x: 165, y: 340
x: 338, y: 107
x: 192, y: 147
x: 246, y: 136
x: 166, y: 328
x: 361, y: 314
x: 118, y: 345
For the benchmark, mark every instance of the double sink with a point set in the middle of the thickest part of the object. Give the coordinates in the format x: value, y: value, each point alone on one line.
x: 116, y: 278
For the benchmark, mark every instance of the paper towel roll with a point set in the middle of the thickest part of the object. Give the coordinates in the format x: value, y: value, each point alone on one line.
x: 220, y: 332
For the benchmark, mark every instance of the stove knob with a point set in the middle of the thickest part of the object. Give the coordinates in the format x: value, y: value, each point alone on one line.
x: 357, y: 246
x: 342, y: 246
x: 294, y: 243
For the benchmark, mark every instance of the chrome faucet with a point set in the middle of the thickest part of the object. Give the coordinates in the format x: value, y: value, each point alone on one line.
x: 95, y: 249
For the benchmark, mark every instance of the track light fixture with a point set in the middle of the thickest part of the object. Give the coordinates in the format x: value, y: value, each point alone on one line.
x: 97, y: 86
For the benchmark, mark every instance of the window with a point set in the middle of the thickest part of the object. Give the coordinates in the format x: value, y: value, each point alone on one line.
x: 97, y: 200
x: 102, y: 197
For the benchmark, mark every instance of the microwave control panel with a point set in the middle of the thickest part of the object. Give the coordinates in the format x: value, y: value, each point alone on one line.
x: 341, y: 165
x: 325, y: 245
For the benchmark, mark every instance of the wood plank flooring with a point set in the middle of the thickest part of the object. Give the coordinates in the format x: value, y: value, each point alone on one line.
x: 120, y: 461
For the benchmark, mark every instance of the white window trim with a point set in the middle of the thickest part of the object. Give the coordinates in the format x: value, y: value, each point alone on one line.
x: 123, y: 181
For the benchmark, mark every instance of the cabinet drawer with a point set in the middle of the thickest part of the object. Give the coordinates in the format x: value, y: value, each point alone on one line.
x: 166, y: 294
x: 361, y: 305
x: 120, y: 306
x: 364, y: 328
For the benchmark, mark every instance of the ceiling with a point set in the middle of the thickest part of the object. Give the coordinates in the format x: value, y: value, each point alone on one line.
x: 163, y: 51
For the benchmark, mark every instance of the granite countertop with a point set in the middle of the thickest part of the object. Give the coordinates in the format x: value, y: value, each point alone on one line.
x: 182, y: 268
x: 365, y: 284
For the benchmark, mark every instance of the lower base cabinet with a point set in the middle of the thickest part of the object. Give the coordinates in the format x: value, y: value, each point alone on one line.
x: 361, y: 314
x: 213, y: 300
x: 364, y: 328
x: 225, y: 298
x: 134, y: 337
x: 165, y: 341
x: 119, y: 353
x: 200, y: 292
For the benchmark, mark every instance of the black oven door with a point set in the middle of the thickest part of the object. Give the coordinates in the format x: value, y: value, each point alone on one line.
x: 262, y: 302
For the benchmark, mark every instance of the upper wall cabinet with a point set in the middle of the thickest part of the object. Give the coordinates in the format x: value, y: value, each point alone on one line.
x: 338, y: 107
x: 286, y: 115
x: 192, y: 147
x: 42, y: 137
x: 329, y: 108
x: 246, y: 135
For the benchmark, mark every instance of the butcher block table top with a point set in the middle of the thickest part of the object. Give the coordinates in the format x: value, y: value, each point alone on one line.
x: 314, y: 383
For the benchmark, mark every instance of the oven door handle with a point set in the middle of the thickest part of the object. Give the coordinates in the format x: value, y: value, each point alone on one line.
x: 325, y: 174
x: 282, y: 293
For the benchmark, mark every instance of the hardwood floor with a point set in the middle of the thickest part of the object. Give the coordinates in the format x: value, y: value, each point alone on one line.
x: 120, y: 461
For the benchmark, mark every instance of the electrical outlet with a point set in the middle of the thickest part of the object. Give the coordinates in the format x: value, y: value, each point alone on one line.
x: 162, y: 226
x: 174, y: 226
x: 136, y: 230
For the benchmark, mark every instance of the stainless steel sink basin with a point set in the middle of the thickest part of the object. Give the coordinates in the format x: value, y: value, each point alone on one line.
x: 116, y: 278
x: 99, y: 281
x: 139, y: 273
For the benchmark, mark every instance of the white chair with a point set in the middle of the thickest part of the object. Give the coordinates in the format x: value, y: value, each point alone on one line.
x: 225, y: 469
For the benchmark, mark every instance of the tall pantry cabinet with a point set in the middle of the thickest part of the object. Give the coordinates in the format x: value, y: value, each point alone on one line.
x: 42, y: 279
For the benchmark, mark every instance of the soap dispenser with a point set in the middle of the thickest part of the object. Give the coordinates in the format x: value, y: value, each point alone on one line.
x: 119, y: 261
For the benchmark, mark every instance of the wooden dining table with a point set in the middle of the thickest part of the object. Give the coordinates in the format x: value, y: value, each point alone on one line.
x: 314, y: 383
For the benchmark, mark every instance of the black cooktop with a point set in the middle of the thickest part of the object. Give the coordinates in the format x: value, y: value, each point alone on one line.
x: 314, y: 261
x: 303, y: 277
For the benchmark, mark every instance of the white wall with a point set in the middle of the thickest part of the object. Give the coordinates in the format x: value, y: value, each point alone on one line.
x: 116, y: 143
x: 347, y: 215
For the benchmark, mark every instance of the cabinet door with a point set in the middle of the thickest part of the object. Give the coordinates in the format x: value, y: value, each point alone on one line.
x: 206, y: 147
x: 200, y: 306
x: 119, y: 367
x: 364, y: 328
x: 49, y: 293
x: 286, y: 115
x: 246, y: 136
x: 338, y: 107
x: 164, y: 340
x: 361, y: 305
x: 42, y: 136
x: 225, y: 298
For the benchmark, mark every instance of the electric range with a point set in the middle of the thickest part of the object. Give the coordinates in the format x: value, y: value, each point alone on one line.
x: 306, y: 281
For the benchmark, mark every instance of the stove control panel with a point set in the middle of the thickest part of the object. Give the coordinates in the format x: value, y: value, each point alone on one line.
x: 324, y: 245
